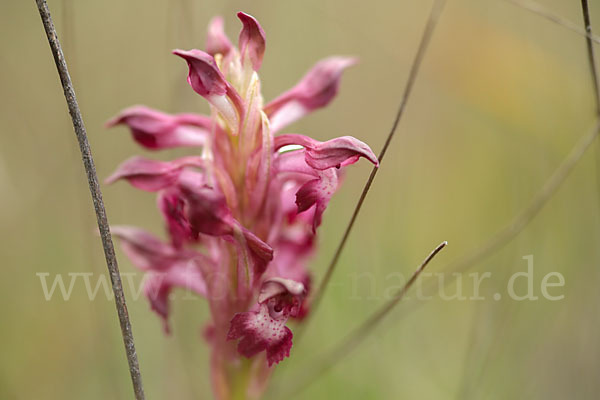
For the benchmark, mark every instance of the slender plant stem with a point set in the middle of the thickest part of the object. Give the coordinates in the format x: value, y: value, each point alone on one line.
x: 594, y: 72
x: 330, y: 358
x: 432, y: 21
x: 590, y: 51
x: 536, y: 8
x: 90, y: 169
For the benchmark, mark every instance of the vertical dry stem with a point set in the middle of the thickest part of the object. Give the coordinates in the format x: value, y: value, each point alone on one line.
x: 90, y: 169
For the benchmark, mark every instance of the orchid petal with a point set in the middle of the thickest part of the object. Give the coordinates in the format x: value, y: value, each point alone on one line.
x: 315, y: 187
x: 315, y: 90
x: 158, y: 295
x: 318, y: 193
x: 207, y: 80
x: 204, y: 75
x: 315, y: 167
x: 208, y: 213
x: 156, y: 130
x: 172, y: 205
x: 258, y: 171
x: 206, y: 209
x: 336, y: 152
x: 252, y: 40
x: 168, y: 267
x: 277, y: 286
x: 153, y: 175
x: 259, y: 248
x: 158, y: 287
x: 145, y: 250
x: 295, y: 162
x: 217, y: 41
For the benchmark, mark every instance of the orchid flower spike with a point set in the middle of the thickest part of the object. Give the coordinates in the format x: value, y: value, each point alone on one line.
x: 242, y: 211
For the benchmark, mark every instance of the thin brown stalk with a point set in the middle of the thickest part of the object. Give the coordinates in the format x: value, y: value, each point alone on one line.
x: 594, y: 73
x: 590, y: 51
x: 536, y: 8
x: 432, y: 21
x: 90, y: 169
x: 359, y: 334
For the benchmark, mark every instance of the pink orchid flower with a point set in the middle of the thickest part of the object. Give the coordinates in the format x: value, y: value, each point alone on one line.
x: 241, y: 215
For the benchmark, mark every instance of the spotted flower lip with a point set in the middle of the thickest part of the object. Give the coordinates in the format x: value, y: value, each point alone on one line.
x: 265, y: 330
x: 242, y: 214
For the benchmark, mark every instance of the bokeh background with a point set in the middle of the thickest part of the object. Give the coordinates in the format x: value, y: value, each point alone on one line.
x: 501, y: 98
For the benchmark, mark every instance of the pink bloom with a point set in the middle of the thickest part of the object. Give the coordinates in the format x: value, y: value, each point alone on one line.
x: 337, y: 152
x: 171, y: 204
x: 167, y: 266
x: 216, y: 40
x: 152, y: 175
x: 240, y: 214
x: 156, y: 130
x: 265, y: 330
x: 318, y: 87
x: 206, y: 79
x: 252, y: 41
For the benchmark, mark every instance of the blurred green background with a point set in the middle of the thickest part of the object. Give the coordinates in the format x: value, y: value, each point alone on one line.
x: 501, y: 98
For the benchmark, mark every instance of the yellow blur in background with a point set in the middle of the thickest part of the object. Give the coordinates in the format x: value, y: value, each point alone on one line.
x: 501, y: 98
